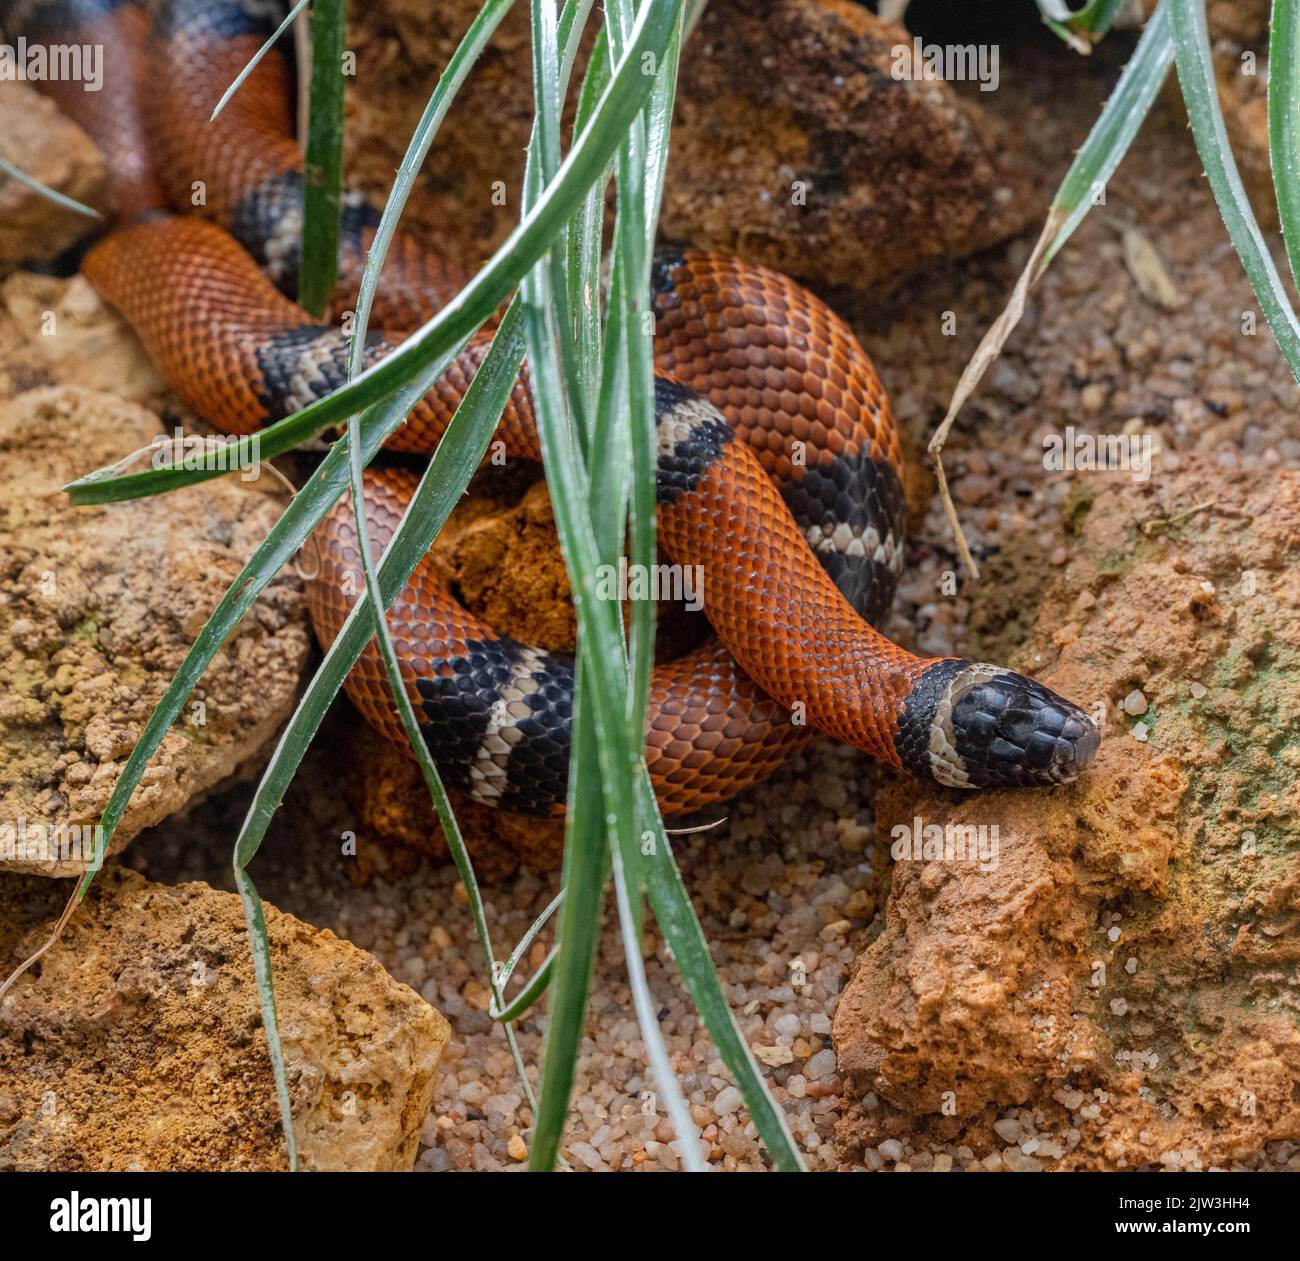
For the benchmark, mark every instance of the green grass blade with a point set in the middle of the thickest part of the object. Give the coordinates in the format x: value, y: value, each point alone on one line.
x: 586, y: 861
x: 453, y: 77
x: 253, y: 61
x: 50, y: 194
x: 558, y: 356
x: 444, y: 481
x: 449, y: 84
x: 1112, y: 134
x: 260, y: 946
x: 508, y: 969
x: 537, y: 985
x: 602, y: 801
x: 322, y: 207
x: 681, y: 928
x: 598, y: 801
x: 687, y: 1131
x: 1284, y: 122
x: 1200, y: 93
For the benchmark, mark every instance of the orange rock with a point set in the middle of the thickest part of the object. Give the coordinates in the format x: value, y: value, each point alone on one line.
x: 1137, y: 933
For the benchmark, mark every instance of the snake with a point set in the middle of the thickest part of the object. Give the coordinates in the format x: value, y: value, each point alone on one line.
x: 779, y: 473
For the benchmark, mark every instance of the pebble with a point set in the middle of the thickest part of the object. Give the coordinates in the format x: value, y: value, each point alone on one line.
x: 821, y: 1065
x: 727, y: 1101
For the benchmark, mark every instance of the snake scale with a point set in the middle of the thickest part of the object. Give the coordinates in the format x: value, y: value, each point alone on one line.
x: 779, y: 463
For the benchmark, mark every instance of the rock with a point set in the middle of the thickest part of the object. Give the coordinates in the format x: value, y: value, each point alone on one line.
x: 139, y: 1045
x: 50, y: 148
x: 794, y: 145
x: 1132, y: 950
x: 98, y: 607
x: 904, y: 165
x: 504, y: 559
x: 60, y: 332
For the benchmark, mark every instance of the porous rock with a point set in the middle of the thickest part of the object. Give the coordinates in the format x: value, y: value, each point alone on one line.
x: 138, y: 1042
x: 44, y: 144
x: 1127, y: 965
x: 98, y: 607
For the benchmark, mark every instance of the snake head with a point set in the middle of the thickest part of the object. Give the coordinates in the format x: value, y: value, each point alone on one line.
x: 981, y: 726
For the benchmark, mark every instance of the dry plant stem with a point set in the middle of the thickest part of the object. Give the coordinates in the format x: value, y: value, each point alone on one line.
x: 68, y: 909
x: 989, y: 349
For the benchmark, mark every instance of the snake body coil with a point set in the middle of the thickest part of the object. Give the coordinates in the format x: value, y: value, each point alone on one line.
x: 778, y: 458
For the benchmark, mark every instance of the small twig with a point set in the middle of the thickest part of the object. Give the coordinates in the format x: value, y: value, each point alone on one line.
x: 699, y: 827
x: 1165, y: 523
x: 986, y: 352
x: 49, y: 944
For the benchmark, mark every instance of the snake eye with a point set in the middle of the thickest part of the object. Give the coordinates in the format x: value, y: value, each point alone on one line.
x: 993, y: 728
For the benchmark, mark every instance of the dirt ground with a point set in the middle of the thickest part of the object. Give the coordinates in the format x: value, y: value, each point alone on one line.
x: 789, y: 885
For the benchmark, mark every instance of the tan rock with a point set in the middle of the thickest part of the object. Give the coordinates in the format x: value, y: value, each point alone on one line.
x: 139, y: 1044
x: 794, y: 146
x: 42, y: 143
x: 98, y: 607
x: 1127, y: 964
x: 59, y: 332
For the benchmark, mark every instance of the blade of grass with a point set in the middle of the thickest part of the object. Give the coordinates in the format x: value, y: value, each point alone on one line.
x: 598, y: 801
x: 506, y: 971
x: 445, y: 479
x: 641, y: 165
x: 1284, y: 122
x: 50, y: 194
x: 585, y: 856
x: 1200, y: 94
x: 466, y: 54
x: 536, y: 987
x: 322, y: 205
x: 253, y: 61
x: 600, y: 684
x: 584, y: 873
x: 1099, y: 156
x: 681, y: 928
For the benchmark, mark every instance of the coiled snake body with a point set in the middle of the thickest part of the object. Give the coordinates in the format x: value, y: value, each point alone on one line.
x: 778, y: 458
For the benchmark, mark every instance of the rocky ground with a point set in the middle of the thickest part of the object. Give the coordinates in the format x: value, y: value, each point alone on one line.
x: 1121, y: 989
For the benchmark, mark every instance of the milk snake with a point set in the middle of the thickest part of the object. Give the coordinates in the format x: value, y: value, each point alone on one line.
x: 779, y: 466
